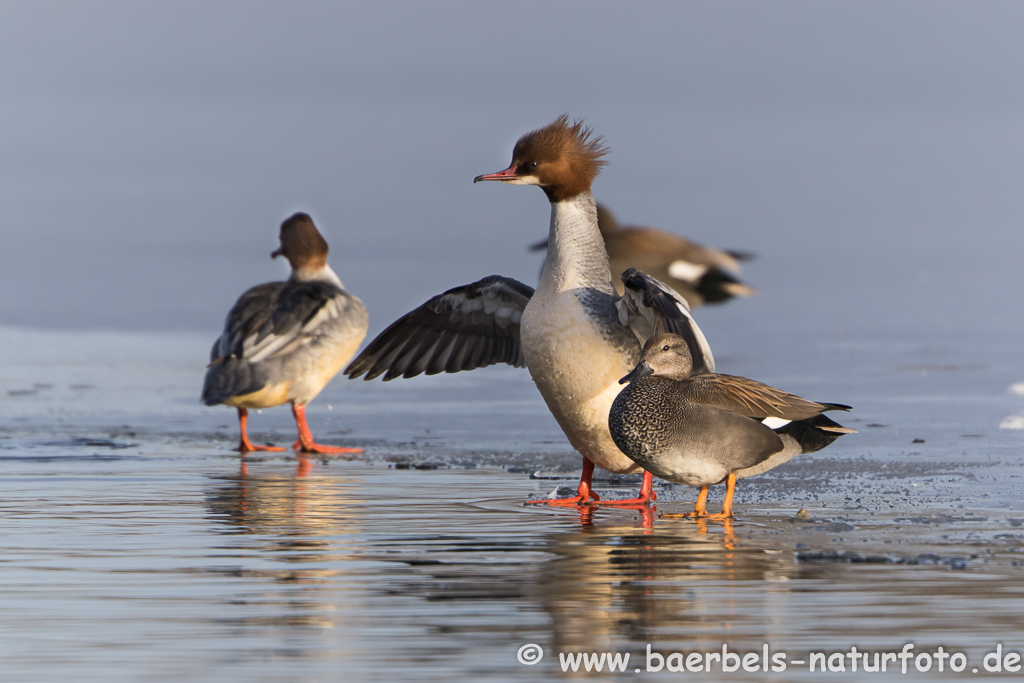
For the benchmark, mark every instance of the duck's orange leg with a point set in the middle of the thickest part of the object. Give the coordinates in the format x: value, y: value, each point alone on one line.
x: 646, y: 497
x: 305, y: 442
x: 584, y: 492
x: 700, y: 509
x: 730, y: 489
x: 246, y: 446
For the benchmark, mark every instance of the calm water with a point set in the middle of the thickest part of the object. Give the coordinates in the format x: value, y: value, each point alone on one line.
x: 136, y: 545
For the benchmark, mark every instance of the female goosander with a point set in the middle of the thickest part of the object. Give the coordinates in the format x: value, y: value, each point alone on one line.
x: 696, y: 429
x: 284, y: 341
x: 576, y: 336
x: 703, y: 275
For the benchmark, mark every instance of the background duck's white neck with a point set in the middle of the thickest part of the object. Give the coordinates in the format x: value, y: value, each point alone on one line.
x: 323, y: 274
x: 576, y: 253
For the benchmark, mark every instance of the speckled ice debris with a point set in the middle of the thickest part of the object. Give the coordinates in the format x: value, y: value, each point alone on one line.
x: 1012, y: 422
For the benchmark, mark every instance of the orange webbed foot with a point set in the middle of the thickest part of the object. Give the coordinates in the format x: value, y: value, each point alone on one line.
x: 320, y: 449
x: 587, y: 498
x: 244, y: 445
x: 305, y: 443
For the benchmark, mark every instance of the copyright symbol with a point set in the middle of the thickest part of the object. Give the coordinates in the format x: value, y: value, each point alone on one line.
x: 530, y: 654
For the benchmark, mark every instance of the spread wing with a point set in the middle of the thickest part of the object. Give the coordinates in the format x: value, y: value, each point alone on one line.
x: 748, y: 397
x: 278, y: 317
x: 649, y: 307
x: 465, y: 328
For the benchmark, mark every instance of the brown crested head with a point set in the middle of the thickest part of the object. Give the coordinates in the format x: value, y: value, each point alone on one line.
x: 562, y: 157
x: 302, y: 244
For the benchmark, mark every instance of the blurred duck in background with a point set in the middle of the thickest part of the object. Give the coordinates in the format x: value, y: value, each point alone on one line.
x: 702, y: 275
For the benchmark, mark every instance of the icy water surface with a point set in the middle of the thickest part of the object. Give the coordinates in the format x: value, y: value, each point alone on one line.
x: 136, y: 545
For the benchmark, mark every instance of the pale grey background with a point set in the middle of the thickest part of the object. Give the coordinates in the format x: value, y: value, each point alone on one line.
x: 870, y: 153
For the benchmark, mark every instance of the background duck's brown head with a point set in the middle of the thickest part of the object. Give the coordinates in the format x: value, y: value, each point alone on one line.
x: 302, y: 244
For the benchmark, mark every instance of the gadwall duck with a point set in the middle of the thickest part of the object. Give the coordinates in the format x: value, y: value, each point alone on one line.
x: 699, y: 428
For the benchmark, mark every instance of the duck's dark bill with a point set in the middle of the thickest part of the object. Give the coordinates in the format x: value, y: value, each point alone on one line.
x: 641, y: 370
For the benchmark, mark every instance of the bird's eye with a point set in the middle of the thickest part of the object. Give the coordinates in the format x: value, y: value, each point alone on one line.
x: 534, y: 164
x: 665, y: 347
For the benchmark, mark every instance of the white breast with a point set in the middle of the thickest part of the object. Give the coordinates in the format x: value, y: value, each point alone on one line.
x: 577, y: 373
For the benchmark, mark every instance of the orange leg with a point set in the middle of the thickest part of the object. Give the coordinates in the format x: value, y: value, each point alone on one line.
x: 646, y: 497
x: 700, y: 509
x: 583, y: 493
x: 730, y: 489
x: 306, y: 444
x: 246, y: 446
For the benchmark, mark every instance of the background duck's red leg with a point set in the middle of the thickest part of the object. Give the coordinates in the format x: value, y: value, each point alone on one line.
x: 584, y: 492
x: 306, y: 443
x: 246, y: 446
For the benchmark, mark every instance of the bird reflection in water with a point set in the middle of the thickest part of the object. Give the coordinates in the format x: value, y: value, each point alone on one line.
x: 293, y: 535
x: 299, y: 518
x: 303, y: 465
x: 605, y: 580
x: 647, y: 514
x: 610, y: 584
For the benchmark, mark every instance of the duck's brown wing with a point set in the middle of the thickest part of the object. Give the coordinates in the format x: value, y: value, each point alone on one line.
x: 754, y: 399
x: 651, y: 244
x: 467, y: 327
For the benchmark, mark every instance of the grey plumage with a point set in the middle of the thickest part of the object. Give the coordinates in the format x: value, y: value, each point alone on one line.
x: 273, y: 325
x: 655, y: 421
